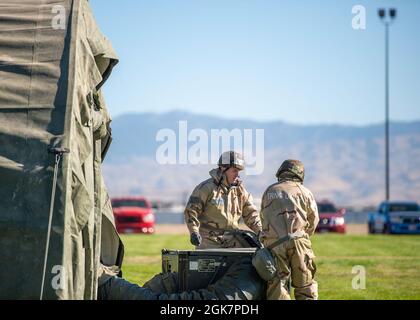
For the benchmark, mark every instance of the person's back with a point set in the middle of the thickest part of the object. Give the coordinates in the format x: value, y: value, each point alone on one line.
x: 288, y: 207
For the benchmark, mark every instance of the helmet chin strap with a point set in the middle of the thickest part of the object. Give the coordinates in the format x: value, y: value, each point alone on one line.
x: 230, y: 184
x: 221, y: 177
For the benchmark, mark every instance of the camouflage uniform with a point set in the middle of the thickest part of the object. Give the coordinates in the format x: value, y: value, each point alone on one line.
x: 214, y: 209
x: 287, y: 206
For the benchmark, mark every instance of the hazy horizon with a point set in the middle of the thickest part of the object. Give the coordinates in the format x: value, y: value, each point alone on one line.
x: 205, y: 114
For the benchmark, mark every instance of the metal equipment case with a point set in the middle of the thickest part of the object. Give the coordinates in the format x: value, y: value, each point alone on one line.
x: 199, y: 268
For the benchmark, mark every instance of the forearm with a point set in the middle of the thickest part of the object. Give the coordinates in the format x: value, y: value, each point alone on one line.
x: 313, y: 220
x: 191, y: 220
x: 252, y: 220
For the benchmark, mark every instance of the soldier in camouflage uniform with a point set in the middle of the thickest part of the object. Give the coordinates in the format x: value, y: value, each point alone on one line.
x: 288, y: 207
x: 216, y: 205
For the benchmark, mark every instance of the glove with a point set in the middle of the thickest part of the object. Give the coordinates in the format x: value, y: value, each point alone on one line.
x: 195, y: 238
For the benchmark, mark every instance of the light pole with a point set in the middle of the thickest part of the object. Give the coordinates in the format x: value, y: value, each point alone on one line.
x: 392, y: 13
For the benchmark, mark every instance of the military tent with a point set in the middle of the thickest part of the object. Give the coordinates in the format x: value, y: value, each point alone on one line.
x: 53, y: 121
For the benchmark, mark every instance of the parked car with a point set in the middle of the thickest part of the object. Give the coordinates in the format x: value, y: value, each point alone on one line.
x: 401, y: 217
x: 330, y: 219
x: 133, y: 215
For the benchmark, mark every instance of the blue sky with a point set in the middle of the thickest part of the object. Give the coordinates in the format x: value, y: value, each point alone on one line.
x: 296, y: 61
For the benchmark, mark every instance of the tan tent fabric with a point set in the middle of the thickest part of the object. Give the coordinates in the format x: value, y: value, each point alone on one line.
x: 50, y: 96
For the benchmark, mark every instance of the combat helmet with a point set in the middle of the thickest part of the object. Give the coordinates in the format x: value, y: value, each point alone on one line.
x: 231, y: 159
x: 292, y: 168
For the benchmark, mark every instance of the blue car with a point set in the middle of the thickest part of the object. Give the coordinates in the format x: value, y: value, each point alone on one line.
x: 397, y: 217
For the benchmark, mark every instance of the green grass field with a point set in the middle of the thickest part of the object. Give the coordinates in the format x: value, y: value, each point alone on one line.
x: 392, y: 263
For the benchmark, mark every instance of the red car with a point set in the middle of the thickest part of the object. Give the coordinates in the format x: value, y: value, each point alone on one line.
x: 330, y: 219
x: 133, y: 215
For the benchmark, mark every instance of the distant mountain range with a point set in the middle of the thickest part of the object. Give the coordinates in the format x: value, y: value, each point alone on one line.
x: 343, y: 163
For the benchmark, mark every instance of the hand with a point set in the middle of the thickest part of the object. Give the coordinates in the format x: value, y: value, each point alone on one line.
x: 195, y: 238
